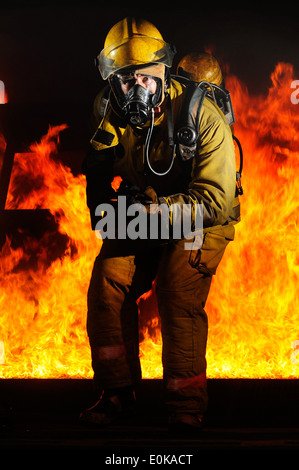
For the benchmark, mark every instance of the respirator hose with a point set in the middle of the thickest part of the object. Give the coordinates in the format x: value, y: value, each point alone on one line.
x: 146, y: 149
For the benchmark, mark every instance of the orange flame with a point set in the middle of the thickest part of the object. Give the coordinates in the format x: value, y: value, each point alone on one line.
x: 254, y: 303
x: 43, y: 306
x: 253, y: 306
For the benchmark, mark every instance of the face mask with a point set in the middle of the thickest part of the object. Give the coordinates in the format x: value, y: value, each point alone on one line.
x: 135, y: 100
x: 140, y: 102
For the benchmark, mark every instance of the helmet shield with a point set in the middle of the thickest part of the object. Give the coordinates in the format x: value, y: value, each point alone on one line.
x: 135, y: 51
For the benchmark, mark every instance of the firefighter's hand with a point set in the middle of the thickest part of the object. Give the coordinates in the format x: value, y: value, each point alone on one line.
x: 149, y: 200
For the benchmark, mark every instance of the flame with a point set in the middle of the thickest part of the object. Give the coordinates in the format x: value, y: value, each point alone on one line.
x: 43, y: 288
x: 254, y: 303
x: 253, y: 306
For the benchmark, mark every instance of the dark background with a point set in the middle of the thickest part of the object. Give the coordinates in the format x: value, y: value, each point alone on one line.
x: 47, y: 49
x: 47, y: 52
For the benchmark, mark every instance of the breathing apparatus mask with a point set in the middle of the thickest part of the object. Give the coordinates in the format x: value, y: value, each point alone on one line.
x: 137, y: 93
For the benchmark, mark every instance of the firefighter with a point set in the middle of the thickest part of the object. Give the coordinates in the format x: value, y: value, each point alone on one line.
x: 137, y: 139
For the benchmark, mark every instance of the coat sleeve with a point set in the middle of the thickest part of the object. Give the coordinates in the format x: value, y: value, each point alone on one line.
x: 213, y: 179
x: 98, y: 170
x: 99, y: 160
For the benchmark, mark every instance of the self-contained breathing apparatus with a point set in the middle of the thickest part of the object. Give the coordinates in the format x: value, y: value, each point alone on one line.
x: 187, y: 134
x: 138, y: 107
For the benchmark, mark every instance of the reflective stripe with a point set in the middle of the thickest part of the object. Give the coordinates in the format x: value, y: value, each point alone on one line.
x: 109, y: 352
x: 197, y: 381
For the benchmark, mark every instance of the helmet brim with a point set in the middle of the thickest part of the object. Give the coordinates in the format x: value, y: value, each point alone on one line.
x: 137, y: 51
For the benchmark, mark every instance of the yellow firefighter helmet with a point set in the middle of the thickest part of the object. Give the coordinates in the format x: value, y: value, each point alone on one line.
x: 133, y: 43
x: 200, y: 67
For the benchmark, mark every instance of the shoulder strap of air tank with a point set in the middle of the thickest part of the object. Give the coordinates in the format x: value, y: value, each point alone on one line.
x: 104, y: 101
x: 102, y: 136
x: 194, y: 96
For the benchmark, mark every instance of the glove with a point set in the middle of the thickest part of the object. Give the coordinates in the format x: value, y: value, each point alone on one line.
x: 149, y: 200
x: 134, y: 195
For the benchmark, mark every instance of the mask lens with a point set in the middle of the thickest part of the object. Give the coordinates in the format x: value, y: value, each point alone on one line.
x: 128, y: 80
x: 136, y: 94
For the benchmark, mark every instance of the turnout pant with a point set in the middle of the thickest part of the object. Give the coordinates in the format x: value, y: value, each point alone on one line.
x: 122, y: 272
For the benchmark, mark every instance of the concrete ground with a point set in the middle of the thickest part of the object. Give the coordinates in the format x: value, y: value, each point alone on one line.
x: 246, y: 419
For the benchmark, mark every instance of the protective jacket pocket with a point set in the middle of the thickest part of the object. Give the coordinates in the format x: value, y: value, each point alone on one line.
x: 208, y: 257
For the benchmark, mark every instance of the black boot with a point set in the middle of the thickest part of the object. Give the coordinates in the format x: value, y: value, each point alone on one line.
x: 185, y: 424
x: 113, y: 406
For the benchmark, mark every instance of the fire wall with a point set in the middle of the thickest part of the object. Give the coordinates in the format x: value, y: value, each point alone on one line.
x: 48, y: 248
